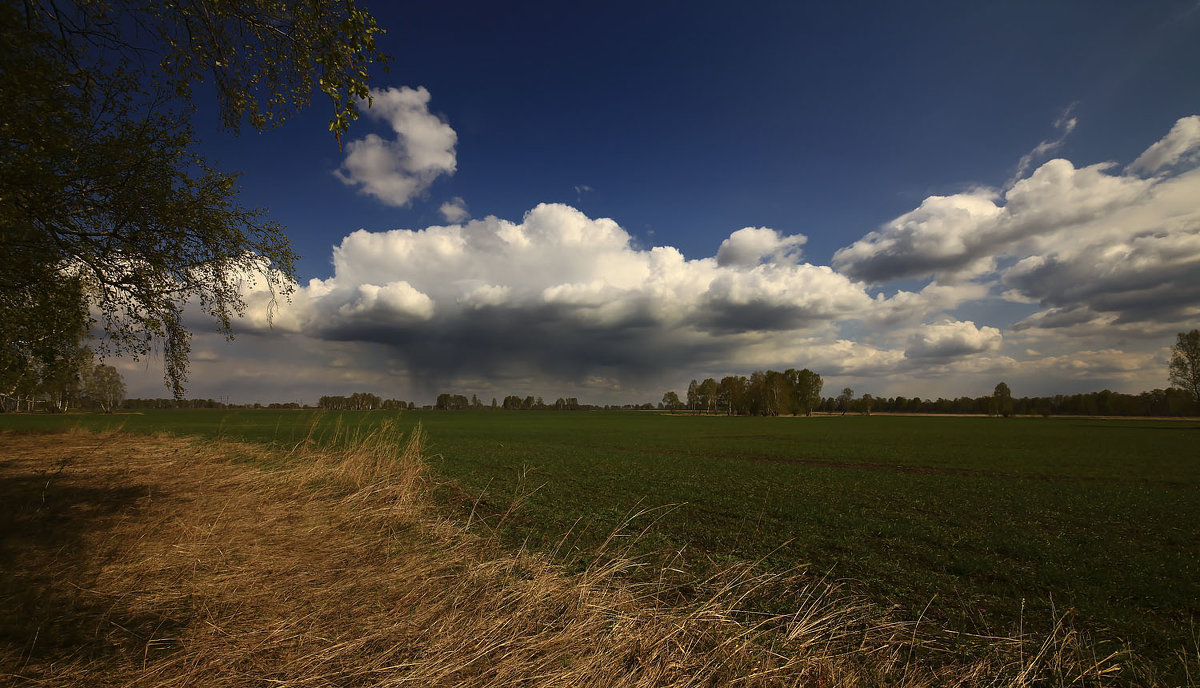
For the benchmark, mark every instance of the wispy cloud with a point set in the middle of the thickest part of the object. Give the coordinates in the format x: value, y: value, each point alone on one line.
x: 1064, y: 125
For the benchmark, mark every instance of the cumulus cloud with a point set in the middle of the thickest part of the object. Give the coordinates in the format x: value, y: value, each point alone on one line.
x: 397, y: 170
x: 1065, y: 237
x: 945, y: 234
x: 454, y: 210
x: 1181, y: 143
x: 750, y: 246
x: 951, y: 340
x: 566, y: 296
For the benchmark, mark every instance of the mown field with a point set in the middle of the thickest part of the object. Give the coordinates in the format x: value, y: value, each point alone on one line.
x: 979, y: 524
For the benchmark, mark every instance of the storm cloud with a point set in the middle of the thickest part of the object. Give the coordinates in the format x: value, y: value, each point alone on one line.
x: 563, y: 295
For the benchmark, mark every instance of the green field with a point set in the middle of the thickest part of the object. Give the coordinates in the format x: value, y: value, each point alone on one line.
x: 967, y: 516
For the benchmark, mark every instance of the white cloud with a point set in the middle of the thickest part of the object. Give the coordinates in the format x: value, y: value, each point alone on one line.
x: 392, y: 302
x: 1180, y: 144
x: 944, y: 234
x: 752, y: 245
x: 562, y: 295
x: 1064, y: 237
x: 454, y: 210
x: 906, y: 306
x: 952, y: 340
x: 584, y: 270
x: 395, y: 171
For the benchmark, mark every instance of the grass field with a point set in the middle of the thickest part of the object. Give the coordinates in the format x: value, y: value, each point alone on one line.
x: 963, y: 521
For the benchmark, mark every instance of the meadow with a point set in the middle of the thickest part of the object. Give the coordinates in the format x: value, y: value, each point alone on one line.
x: 988, y: 526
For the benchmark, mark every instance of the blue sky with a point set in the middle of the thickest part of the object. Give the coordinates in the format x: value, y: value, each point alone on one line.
x: 683, y: 123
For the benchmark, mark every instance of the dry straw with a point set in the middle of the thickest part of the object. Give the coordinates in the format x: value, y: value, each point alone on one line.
x: 168, y: 562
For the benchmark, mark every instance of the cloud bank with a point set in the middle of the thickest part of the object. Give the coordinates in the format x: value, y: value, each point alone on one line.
x: 1072, y: 274
x: 563, y: 294
x: 1092, y: 239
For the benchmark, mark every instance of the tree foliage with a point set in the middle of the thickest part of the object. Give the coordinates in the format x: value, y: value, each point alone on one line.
x: 806, y: 386
x: 1002, y: 403
x: 768, y: 393
x: 359, y: 401
x: 105, y: 207
x: 103, y: 386
x: 845, y: 399
x: 1184, y: 369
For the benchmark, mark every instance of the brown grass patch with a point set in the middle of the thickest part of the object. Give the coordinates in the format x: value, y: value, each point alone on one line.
x: 165, y: 561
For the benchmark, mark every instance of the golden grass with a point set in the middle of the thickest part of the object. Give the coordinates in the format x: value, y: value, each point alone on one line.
x: 167, y: 562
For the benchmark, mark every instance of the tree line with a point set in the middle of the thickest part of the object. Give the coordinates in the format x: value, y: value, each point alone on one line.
x: 769, y: 393
x: 57, y: 376
x: 62, y: 373
x: 362, y: 401
x: 763, y: 393
x: 1157, y: 402
x: 512, y: 402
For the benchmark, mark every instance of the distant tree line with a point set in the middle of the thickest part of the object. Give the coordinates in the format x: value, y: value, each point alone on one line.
x: 798, y: 392
x: 138, y: 404
x: 736, y: 395
x: 772, y: 393
x: 458, y: 402
x: 512, y: 402
x: 362, y: 401
x: 1158, y: 402
x: 64, y: 375
x: 763, y: 393
x: 515, y: 403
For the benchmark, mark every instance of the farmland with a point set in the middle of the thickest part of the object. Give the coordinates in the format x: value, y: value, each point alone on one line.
x: 963, y: 521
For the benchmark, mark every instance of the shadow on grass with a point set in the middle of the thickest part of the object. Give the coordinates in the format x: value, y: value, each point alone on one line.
x: 54, y: 539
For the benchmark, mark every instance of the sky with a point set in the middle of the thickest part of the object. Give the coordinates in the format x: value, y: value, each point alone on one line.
x: 605, y: 202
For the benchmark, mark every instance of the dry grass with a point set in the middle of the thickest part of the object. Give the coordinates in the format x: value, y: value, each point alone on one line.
x: 166, y: 562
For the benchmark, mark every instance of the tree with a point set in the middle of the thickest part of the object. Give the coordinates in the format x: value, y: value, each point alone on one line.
x: 1001, y: 402
x: 40, y: 355
x: 61, y: 377
x: 866, y: 403
x: 806, y: 389
x: 671, y: 401
x: 1184, y: 369
x: 103, y: 386
x: 105, y: 206
x: 731, y: 394
x: 844, y: 399
x: 706, y: 395
x: 693, y: 395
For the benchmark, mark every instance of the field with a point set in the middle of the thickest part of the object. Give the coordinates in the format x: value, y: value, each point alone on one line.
x: 978, y: 524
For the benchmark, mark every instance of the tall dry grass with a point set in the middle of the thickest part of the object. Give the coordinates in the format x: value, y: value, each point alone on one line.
x: 332, y: 568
